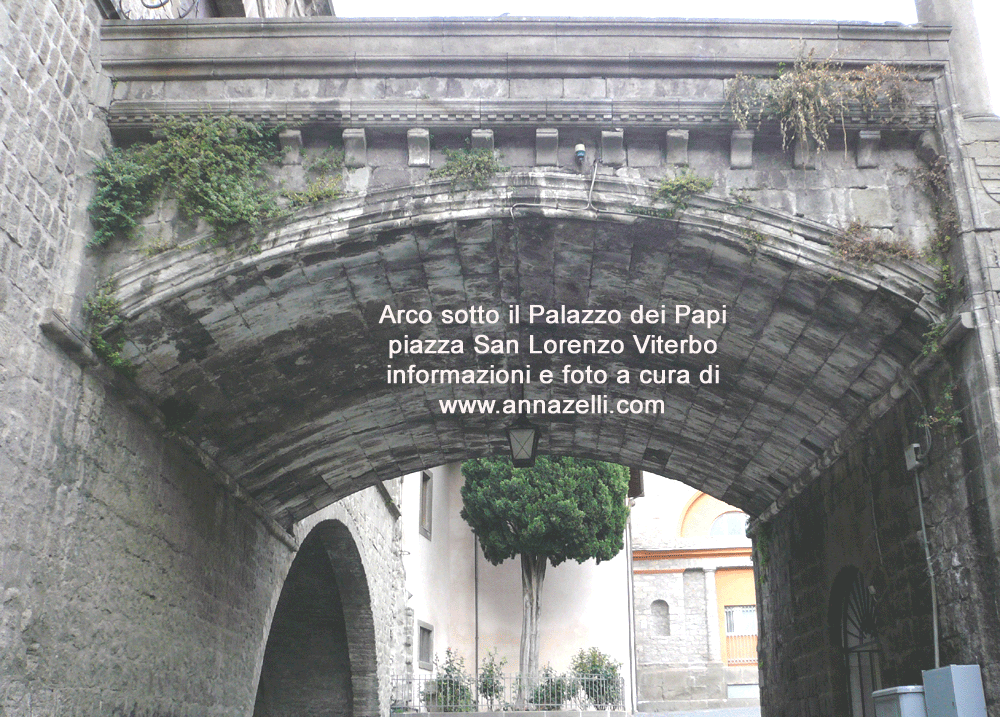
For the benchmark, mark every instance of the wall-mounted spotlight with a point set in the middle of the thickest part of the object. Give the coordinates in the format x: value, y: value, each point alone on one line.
x: 581, y: 153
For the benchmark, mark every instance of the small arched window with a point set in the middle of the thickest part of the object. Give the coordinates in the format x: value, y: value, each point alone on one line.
x: 661, y: 618
x: 733, y: 523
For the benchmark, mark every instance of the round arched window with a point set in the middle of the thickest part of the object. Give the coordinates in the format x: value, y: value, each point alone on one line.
x: 733, y: 523
x: 858, y: 633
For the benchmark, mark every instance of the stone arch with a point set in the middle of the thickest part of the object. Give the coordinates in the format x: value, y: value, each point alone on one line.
x: 317, y: 420
x: 320, y: 652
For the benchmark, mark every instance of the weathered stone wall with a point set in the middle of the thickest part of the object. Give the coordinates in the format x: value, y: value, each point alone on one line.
x: 863, y: 513
x: 675, y: 667
x: 875, y: 190
x: 372, y: 518
x: 131, y: 581
x: 688, y: 630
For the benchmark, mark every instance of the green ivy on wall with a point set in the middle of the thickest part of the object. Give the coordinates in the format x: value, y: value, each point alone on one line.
x: 212, y: 166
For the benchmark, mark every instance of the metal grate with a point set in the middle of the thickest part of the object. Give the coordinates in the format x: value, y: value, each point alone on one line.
x: 548, y: 691
x: 741, y: 634
x: 861, y: 647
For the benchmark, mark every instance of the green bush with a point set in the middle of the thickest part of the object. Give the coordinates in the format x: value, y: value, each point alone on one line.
x: 600, y: 677
x: 212, y: 166
x: 469, y: 168
x: 552, y: 689
x: 451, y: 690
x: 491, y: 679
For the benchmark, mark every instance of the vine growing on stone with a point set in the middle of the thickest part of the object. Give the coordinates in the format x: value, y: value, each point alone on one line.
x: 944, y: 416
x: 469, y: 168
x: 809, y: 97
x: 934, y: 181
x: 319, y: 190
x: 677, y: 190
x: 100, y: 309
x: 860, y: 243
x: 932, y: 339
x: 212, y: 166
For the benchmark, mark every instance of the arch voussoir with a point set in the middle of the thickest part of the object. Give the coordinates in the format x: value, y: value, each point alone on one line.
x: 292, y: 341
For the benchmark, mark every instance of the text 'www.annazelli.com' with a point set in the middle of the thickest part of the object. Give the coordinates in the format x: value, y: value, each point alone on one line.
x: 552, y: 406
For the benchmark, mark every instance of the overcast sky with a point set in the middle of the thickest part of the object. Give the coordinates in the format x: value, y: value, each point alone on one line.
x: 987, y: 14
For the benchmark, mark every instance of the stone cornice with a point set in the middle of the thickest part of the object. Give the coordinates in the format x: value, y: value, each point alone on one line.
x: 691, y: 553
x: 403, y: 113
x: 530, y: 47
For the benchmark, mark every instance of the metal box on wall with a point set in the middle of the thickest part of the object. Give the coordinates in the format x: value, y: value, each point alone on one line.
x: 904, y: 701
x: 954, y: 691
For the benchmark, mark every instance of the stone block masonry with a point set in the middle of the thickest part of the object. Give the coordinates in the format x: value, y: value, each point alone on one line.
x: 862, y: 513
x: 376, y: 534
x: 134, y: 581
x: 131, y: 581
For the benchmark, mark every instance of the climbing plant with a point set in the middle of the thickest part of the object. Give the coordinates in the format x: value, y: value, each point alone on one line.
x: 320, y: 190
x: 127, y: 184
x: 100, y: 309
x: 469, y: 168
x: 212, y: 166
x: 944, y: 416
x: 859, y: 243
x: 932, y: 339
x: 811, y: 95
x: 328, y: 161
x: 675, y: 191
x: 933, y: 180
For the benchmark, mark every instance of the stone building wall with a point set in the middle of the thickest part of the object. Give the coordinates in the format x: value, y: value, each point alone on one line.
x: 878, y: 195
x: 373, y: 521
x: 131, y: 581
x: 688, y: 637
x: 863, y: 512
x: 651, y: 647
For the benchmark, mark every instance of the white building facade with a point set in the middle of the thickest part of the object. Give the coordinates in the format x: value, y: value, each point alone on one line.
x: 459, y: 601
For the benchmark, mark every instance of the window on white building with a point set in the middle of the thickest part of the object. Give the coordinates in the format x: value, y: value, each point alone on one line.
x: 426, y: 504
x: 425, y: 646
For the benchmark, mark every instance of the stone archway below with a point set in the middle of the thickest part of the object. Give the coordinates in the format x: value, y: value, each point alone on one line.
x: 319, y: 658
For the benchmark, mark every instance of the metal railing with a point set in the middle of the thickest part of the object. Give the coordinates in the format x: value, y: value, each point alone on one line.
x: 741, y: 649
x: 496, y: 693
